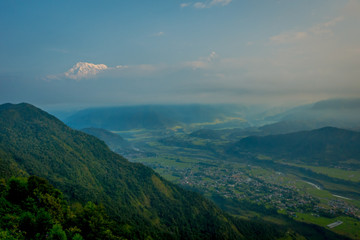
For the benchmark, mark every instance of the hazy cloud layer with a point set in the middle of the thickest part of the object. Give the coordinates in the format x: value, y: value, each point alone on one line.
x: 315, y: 31
x: 202, y: 63
x: 234, y: 51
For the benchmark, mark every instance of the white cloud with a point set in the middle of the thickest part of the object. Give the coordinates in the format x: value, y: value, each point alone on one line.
x: 318, y: 61
x: 158, y: 34
x: 121, y: 67
x: 200, y: 5
x: 202, y: 63
x: 289, y: 37
x: 333, y: 22
x: 212, y: 56
x: 183, y: 5
x: 325, y: 28
x: 84, y: 70
x: 321, y: 29
x: 220, y: 2
x: 206, y: 4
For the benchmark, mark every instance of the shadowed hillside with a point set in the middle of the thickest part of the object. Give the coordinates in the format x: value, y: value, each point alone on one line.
x: 34, y: 142
x: 326, y: 146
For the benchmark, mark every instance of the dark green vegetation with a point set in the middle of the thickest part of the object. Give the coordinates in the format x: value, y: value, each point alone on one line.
x: 142, y: 204
x: 329, y: 157
x: 290, y: 179
x: 268, y: 197
x: 31, y: 208
x: 205, y: 134
x: 331, y: 147
x: 259, y: 187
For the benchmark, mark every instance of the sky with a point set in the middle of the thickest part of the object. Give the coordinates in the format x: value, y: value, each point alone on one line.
x: 98, y: 53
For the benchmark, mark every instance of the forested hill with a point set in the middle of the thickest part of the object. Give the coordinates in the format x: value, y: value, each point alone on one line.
x: 327, y: 146
x: 33, y: 142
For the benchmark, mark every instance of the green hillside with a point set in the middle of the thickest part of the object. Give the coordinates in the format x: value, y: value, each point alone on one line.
x: 325, y: 147
x: 33, y: 142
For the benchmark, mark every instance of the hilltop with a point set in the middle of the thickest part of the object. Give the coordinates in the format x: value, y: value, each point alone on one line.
x: 32, y: 142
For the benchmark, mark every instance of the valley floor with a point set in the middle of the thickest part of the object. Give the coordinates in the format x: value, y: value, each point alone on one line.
x: 257, y: 189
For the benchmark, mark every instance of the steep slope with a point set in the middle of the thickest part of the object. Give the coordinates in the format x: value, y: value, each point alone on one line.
x: 326, y: 146
x: 113, y: 140
x: 33, y: 142
x: 143, y: 205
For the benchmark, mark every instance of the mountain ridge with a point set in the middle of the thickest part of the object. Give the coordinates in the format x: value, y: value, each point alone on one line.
x: 142, y: 203
x: 36, y: 143
x: 151, y: 116
x: 328, y: 145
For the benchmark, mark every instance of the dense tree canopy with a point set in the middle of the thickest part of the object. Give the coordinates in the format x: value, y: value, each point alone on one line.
x: 31, y: 208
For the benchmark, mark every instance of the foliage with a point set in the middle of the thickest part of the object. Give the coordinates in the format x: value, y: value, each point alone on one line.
x: 139, y: 200
x: 31, y: 208
x: 141, y: 204
x: 57, y: 233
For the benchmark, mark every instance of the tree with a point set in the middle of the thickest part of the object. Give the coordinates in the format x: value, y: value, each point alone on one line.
x: 57, y: 233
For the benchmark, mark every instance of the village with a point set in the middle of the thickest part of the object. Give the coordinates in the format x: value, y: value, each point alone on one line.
x: 271, y: 190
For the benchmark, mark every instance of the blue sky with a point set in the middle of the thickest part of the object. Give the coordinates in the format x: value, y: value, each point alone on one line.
x: 86, y: 53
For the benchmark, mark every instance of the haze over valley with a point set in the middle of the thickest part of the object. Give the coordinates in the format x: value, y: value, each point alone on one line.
x: 212, y: 119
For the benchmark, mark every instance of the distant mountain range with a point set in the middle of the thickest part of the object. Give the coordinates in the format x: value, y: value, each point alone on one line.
x: 157, y: 117
x: 341, y: 113
x: 327, y: 146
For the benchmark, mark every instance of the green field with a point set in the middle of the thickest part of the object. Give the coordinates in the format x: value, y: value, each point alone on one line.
x: 348, y: 175
x: 350, y: 227
x: 210, y: 172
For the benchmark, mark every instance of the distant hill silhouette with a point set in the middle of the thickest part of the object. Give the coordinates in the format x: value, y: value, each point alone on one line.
x: 326, y: 146
x: 151, y: 117
x: 341, y: 113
